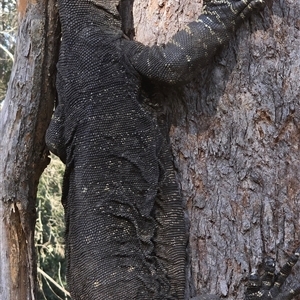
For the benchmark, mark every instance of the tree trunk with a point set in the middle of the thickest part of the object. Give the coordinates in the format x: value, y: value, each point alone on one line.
x: 24, y: 118
x: 236, y: 144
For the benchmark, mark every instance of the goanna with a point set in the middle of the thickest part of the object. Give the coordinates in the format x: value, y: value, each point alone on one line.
x: 125, y: 231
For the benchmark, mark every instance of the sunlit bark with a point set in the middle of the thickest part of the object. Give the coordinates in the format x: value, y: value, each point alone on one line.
x: 24, y: 118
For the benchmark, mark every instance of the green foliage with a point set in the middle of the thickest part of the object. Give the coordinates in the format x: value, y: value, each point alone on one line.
x: 8, y: 26
x: 49, y: 234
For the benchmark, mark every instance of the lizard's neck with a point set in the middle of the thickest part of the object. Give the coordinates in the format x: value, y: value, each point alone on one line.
x: 75, y: 15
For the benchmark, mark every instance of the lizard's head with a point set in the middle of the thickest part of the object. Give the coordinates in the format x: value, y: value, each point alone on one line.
x: 110, y: 6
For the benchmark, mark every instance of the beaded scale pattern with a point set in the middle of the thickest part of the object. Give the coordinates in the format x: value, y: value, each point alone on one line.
x: 125, y: 231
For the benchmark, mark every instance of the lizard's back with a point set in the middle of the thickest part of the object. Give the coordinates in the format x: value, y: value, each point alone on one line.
x: 120, y: 194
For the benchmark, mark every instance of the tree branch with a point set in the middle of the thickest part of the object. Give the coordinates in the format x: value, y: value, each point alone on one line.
x: 11, y: 56
x: 53, y: 281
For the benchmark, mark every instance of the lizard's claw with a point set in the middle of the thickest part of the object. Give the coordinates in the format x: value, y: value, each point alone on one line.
x: 257, y: 4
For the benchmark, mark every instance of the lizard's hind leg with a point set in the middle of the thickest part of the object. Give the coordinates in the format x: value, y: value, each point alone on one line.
x: 268, y: 287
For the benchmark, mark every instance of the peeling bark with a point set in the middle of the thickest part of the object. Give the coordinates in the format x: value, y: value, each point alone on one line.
x: 23, y: 120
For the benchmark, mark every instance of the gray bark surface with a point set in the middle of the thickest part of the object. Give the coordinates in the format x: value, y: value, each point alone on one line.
x: 23, y: 121
x: 125, y: 231
x: 236, y: 144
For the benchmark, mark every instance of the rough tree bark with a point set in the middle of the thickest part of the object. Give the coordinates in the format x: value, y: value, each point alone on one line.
x: 23, y: 120
x: 236, y: 143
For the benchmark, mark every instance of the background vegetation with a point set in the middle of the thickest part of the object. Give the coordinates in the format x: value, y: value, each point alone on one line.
x: 8, y: 25
x: 49, y: 234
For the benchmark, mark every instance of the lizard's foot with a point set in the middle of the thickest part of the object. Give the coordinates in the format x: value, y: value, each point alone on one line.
x: 234, y: 12
x: 268, y: 287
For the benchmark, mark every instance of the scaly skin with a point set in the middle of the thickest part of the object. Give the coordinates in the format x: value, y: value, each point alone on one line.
x: 125, y: 231
x: 268, y: 287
